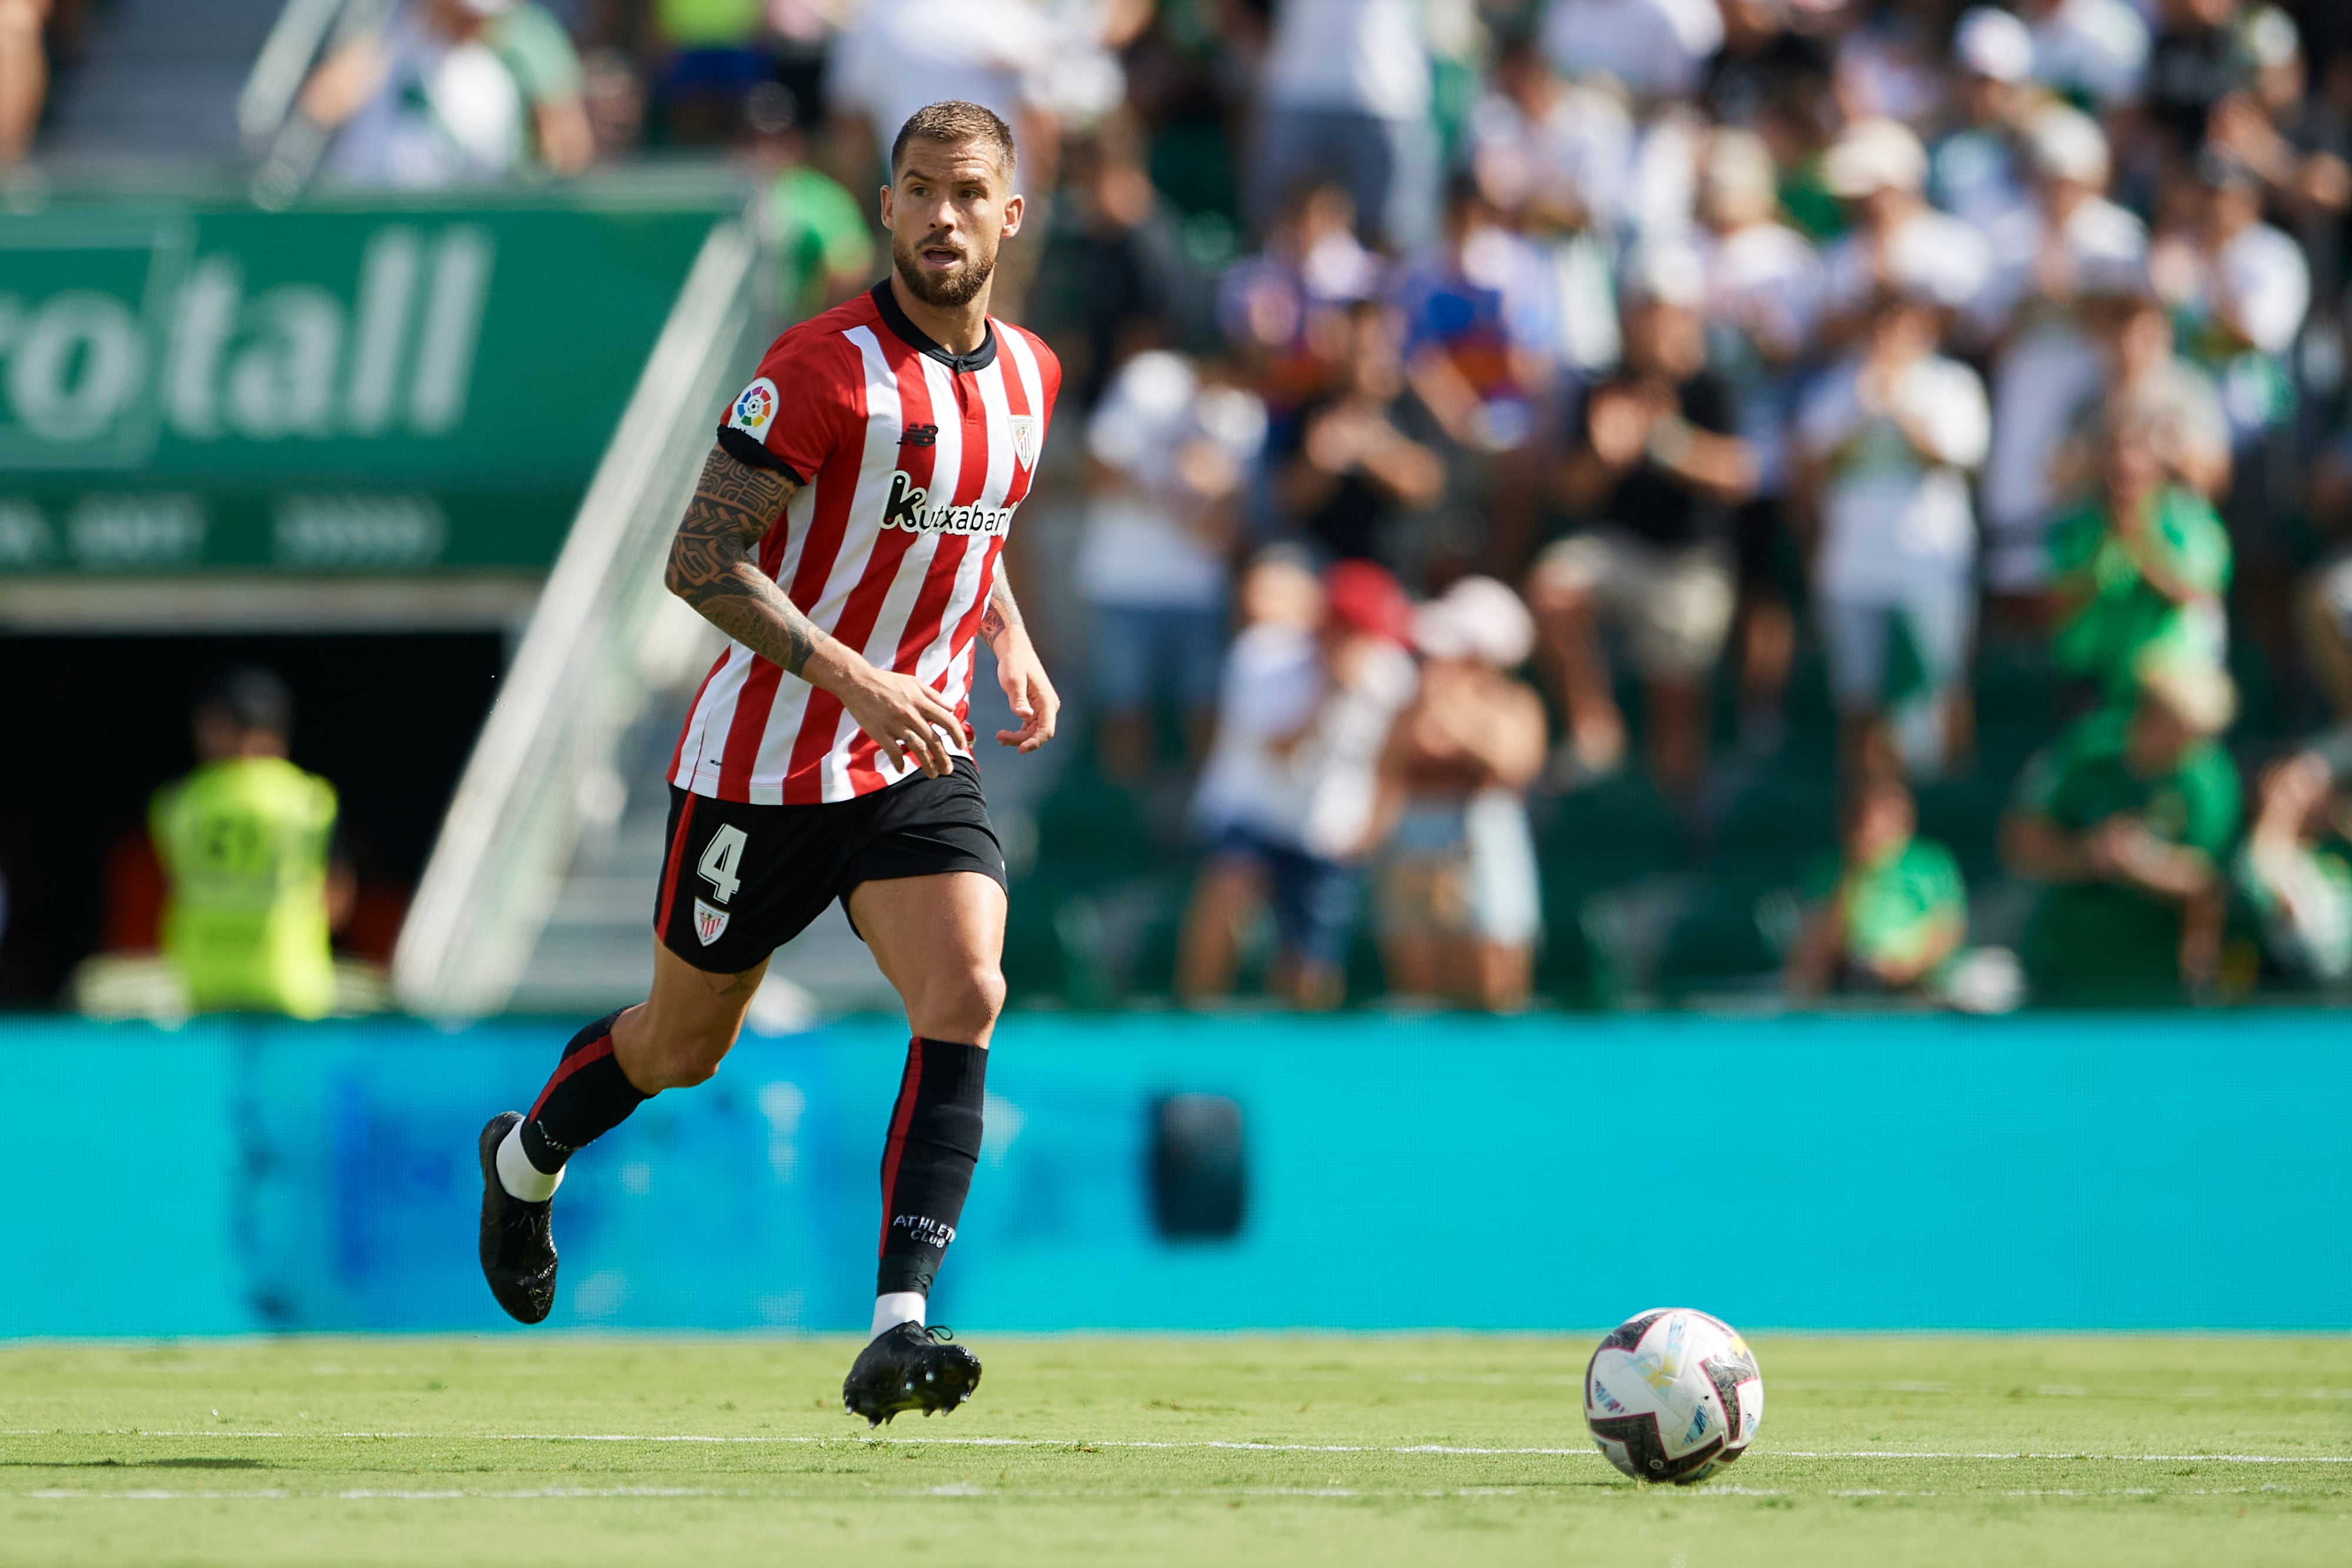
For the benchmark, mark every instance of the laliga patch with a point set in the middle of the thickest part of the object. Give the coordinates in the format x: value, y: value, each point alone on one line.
x: 709, y: 924
x: 755, y: 410
x: 1024, y: 439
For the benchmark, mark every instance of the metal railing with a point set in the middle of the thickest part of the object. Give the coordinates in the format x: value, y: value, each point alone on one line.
x: 285, y: 145
x: 598, y: 643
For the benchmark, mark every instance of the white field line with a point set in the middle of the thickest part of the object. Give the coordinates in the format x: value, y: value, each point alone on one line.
x: 1086, y: 1443
x: 1021, y: 1494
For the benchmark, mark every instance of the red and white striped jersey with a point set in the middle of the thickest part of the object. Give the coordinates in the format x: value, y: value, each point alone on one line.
x: 912, y: 461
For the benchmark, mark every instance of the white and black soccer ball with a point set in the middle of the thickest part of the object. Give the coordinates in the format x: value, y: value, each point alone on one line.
x: 1672, y: 1395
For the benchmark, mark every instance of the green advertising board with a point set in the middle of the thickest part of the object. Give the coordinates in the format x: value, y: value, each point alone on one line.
x: 405, y: 387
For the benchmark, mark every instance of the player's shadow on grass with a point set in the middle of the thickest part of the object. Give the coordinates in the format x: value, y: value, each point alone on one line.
x: 191, y: 1462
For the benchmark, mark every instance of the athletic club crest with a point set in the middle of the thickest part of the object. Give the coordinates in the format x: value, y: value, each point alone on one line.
x: 709, y: 924
x: 1025, y: 439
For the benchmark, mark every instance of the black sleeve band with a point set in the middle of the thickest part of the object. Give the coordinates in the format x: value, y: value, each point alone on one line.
x: 753, y: 452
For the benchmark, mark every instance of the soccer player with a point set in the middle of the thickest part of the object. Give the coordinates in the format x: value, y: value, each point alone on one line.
x: 845, y: 535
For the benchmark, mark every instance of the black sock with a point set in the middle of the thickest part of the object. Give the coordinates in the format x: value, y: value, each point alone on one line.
x: 587, y: 1097
x: 927, y: 1163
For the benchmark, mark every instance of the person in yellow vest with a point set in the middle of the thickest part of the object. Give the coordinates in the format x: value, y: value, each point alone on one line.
x: 246, y: 844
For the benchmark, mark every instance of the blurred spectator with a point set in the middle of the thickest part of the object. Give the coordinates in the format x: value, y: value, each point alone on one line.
x: 1763, y: 307
x: 1118, y: 273
x: 614, y: 102
x: 714, y: 55
x: 1349, y: 473
x: 2054, y: 259
x: 2125, y: 823
x: 1887, y: 64
x: 245, y: 842
x: 2149, y: 387
x: 1286, y: 801
x: 1285, y: 310
x: 1890, y: 439
x: 1459, y: 907
x: 1170, y: 448
x: 1977, y: 173
x: 1655, y: 47
x: 2293, y: 873
x: 2194, y: 62
x: 1898, y: 242
x: 1900, y: 908
x: 2295, y: 143
x: 1477, y: 324
x: 815, y: 232
x: 24, y: 74
x: 452, y: 93
x: 1654, y: 472
x: 1344, y: 96
x: 2139, y: 570
x: 2093, y: 51
x: 905, y: 54
x: 1553, y: 156
x: 2324, y: 605
x: 1767, y: 72
x: 2239, y: 287
x: 534, y: 46
x: 1555, y: 160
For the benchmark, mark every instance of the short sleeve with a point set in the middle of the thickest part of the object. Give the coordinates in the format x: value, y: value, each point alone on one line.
x: 802, y: 406
x: 2210, y: 783
x: 1955, y: 413
x: 2073, y: 541
x: 2198, y: 543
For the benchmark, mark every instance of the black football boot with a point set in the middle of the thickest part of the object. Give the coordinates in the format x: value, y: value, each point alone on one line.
x: 518, y: 1250
x: 909, y: 1367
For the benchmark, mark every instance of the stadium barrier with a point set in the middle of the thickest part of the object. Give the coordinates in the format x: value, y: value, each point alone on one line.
x: 2173, y: 1171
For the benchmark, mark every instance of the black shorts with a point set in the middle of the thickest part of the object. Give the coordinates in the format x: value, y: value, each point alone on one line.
x: 739, y: 881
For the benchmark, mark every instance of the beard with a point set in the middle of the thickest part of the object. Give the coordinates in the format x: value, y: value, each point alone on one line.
x: 949, y: 290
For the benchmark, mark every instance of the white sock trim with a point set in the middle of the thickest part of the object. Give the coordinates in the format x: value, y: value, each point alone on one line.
x: 895, y: 1307
x: 522, y: 1178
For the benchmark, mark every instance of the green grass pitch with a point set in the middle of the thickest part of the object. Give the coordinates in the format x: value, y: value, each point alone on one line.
x: 1130, y: 1451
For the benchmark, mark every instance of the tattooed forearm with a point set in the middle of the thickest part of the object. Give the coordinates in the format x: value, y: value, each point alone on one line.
x: 712, y: 567
x: 1003, y: 612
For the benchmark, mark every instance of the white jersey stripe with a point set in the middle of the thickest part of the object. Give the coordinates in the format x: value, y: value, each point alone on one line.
x: 890, y: 546
x: 881, y: 649
x: 883, y: 425
x: 936, y: 655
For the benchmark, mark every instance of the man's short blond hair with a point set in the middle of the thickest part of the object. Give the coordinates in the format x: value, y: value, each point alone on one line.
x: 953, y: 123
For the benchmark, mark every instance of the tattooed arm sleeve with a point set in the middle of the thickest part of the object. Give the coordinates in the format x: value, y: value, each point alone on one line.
x: 1003, y: 612
x: 712, y: 567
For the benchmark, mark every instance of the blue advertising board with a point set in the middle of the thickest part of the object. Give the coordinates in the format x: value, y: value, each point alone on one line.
x: 2165, y: 1171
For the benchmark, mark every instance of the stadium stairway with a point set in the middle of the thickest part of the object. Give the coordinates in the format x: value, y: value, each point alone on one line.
x: 159, y: 76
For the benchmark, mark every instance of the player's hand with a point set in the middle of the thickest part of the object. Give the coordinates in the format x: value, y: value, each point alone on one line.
x: 908, y: 719
x: 1021, y: 674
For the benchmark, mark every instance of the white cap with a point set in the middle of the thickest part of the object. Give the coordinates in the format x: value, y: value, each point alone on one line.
x: 2068, y: 144
x: 1668, y: 273
x: 489, y: 7
x: 1993, y: 44
x: 1874, y: 155
x: 1477, y: 618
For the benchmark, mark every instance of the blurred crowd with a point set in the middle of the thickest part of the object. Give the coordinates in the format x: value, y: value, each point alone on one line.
x: 1473, y: 404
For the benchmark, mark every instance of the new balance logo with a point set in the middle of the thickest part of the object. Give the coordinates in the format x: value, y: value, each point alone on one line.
x: 921, y: 435
x: 907, y: 509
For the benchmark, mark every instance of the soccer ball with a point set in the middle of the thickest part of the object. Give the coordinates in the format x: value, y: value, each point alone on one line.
x: 1672, y: 1395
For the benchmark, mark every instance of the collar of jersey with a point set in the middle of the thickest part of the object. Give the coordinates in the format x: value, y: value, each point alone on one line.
x: 915, y: 338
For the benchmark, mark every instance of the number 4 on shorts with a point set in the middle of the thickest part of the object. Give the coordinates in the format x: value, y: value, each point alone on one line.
x: 720, y: 861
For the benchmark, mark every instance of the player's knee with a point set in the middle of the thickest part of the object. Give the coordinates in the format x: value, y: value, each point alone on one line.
x: 683, y: 1058
x: 962, y: 1005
